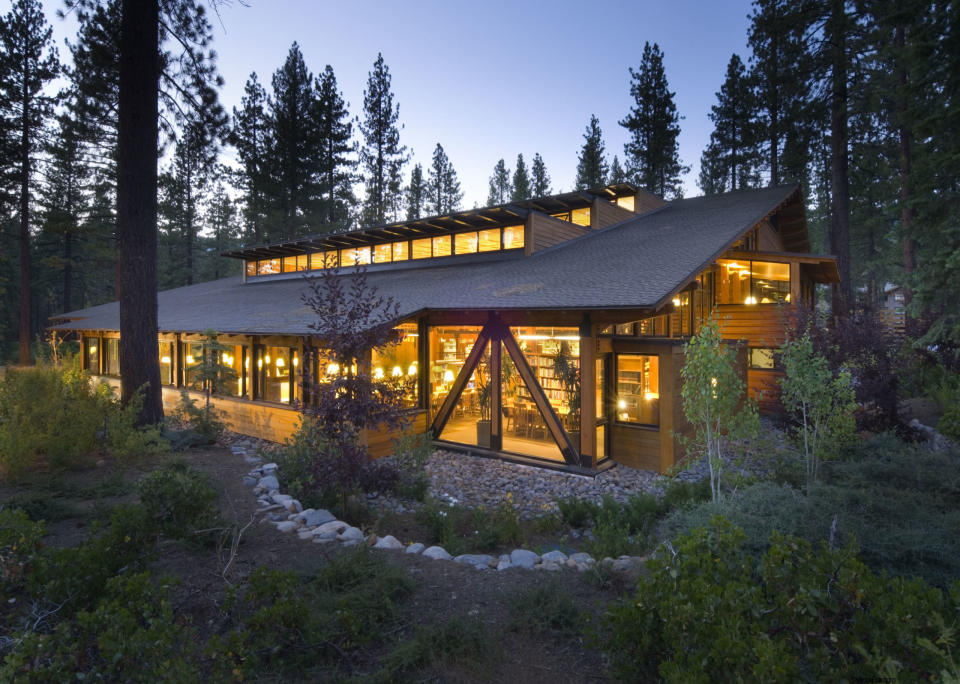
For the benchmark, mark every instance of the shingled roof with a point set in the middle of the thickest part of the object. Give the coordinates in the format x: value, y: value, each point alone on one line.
x: 638, y: 264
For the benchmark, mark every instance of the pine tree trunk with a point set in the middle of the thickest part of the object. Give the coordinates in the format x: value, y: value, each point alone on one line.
x: 25, y: 224
x: 840, y: 181
x: 137, y: 205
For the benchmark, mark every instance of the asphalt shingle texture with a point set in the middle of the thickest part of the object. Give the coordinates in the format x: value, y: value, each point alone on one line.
x: 633, y: 264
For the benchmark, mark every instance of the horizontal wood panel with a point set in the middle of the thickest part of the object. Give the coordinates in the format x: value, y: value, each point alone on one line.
x: 635, y: 447
x: 380, y: 443
x: 764, y: 387
x: 607, y: 214
x: 547, y: 231
x: 760, y: 326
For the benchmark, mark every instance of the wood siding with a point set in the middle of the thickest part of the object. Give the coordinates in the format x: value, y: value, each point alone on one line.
x: 604, y: 214
x: 645, y: 201
x: 760, y: 325
x: 544, y: 231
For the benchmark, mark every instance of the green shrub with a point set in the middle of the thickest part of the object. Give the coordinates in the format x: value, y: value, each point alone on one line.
x: 410, y: 455
x: 462, y: 530
x: 576, y: 512
x: 463, y: 641
x: 20, y: 542
x: 207, y: 421
x: 131, y: 635
x: 949, y: 424
x: 546, y: 609
x: 178, y: 500
x: 708, y: 607
x: 125, y: 439
x: 48, y: 417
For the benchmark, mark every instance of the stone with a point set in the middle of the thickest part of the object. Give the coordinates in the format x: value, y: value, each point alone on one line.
x: 351, y: 542
x: 477, y: 560
x: 607, y: 562
x: 551, y: 566
x: 581, y: 557
x: 554, y: 556
x: 353, y: 534
x: 251, y: 459
x: 238, y: 450
x: 334, y: 527
x: 523, y: 558
x: 268, y: 508
x: 287, y: 526
x: 268, y: 482
x: 416, y: 547
x: 315, y: 517
x: 249, y: 481
x: 293, y: 506
x: 281, y: 499
x: 437, y: 553
x: 504, y: 562
x: 324, y: 540
x: 305, y: 534
x: 268, y: 468
x: 389, y: 542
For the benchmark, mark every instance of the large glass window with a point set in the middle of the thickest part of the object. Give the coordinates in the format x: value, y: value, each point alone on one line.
x: 111, y: 356
x: 513, y: 237
x: 489, y: 240
x: 275, y: 373
x: 442, y: 245
x: 580, y: 216
x: 400, y: 251
x: 232, y: 362
x: 91, y: 349
x: 192, y: 355
x: 166, y: 363
x: 421, y: 249
x: 638, y: 389
x: 383, y: 254
x: 354, y: 256
x: 763, y: 358
x: 398, y: 362
x: 268, y: 266
x: 465, y: 243
x: 628, y: 202
x: 752, y: 282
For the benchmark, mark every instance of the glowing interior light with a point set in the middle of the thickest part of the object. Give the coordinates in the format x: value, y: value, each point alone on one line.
x: 93, y: 349
x: 448, y: 375
x: 621, y: 404
x: 296, y: 360
x: 333, y: 368
x: 507, y: 236
x: 733, y: 265
x: 189, y: 358
x: 396, y: 372
x: 280, y: 363
x: 378, y: 373
x: 412, y: 370
x: 676, y: 301
x: 259, y: 363
x: 750, y: 300
x: 225, y: 357
x: 788, y: 297
x: 651, y: 395
x: 164, y: 359
x: 246, y: 362
x: 266, y: 359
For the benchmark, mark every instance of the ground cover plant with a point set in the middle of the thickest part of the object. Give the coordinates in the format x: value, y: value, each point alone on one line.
x: 799, y: 612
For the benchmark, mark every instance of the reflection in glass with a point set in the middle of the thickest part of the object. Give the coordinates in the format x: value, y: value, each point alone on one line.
x: 638, y: 389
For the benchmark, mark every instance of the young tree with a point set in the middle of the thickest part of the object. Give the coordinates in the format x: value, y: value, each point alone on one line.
x: 416, y: 194
x: 826, y: 404
x: 731, y: 157
x: 540, y: 179
x: 295, y: 155
x: 653, y: 153
x: 591, y: 162
x: 29, y: 63
x: 521, y: 181
x: 714, y: 399
x: 382, y: 155
x: 336, y: 147
x: 443, y: 188
x: 617, y: 172
x: 251, y: 136
x: 500, y: 186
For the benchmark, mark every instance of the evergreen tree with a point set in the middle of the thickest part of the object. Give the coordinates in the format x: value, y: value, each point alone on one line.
x: 382, y: 155
x: 729, y: 163
x: 500, y: 186
x: 540, y: 178
x: 617, y: 172
x: 443, y: 188
x: 416, y: 194
x: 295, y: 154
x: 591, y: 162
x: 521, y: 182
x: 652, y: 153
x: 336, y: 146
x: 251, y: 136
x: 30, y: 62
x: 220, y: 218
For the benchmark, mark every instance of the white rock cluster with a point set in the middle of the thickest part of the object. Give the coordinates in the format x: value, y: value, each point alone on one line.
x: 321, y: 527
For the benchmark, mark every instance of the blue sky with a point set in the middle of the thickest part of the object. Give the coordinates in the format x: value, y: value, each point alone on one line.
x: 492, y: 79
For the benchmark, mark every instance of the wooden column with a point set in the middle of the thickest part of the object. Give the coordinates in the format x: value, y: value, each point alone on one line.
x: 496, y: 400
x: 795, y: 291
x: 423, y: 366
x: 588, y: 396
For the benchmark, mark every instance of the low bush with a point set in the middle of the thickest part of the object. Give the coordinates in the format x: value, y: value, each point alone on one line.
x: 131, y: 635
x: 205, y: 420
x: 949, y: 424
x: 463, y: 641
x: 462, y: 530
x: 576, y: 512
x: 900, y: 503
x: 708, y: 607
x: 20, y: 542
x: 546, y: 609
x: 410, y: 454
x: 178, y: 500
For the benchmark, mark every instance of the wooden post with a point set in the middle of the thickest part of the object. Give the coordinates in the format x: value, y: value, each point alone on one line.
x: 496, y: 400
x: 588, y: 396
x: 795, y: 283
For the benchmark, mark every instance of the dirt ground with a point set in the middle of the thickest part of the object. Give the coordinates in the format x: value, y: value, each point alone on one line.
x: 443, y: 589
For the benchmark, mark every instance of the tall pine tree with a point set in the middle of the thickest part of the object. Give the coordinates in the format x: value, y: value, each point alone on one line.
x: 500, y: 186
x: 251, y: 136
x: 521, y: 181
x: 617, y: 172
x: 415, y: 195
x: 730, y: 160
x: 540, y: 179
x: 653, y: 153
x: 30, y: 63
x: 336, y: 147
x: 382, y: 155
x: 591, y: 162
x: 443, y: 188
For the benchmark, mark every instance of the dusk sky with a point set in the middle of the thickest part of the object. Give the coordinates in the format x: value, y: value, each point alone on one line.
x: 488, y: 80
